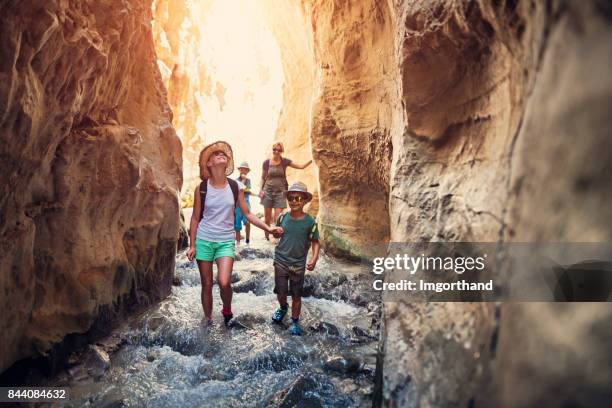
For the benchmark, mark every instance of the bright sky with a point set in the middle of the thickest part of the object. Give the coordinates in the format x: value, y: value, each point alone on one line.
x: 240, y: 53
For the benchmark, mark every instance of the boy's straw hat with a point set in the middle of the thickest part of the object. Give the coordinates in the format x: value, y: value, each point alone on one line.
x: 209, y: 150
x: 244, y: 165
x: 299, y: 187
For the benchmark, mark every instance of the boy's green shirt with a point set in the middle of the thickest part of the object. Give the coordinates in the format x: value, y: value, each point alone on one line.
x: 293, y: 246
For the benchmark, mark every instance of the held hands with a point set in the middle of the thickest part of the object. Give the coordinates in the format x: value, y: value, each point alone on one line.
x: 277, y: 232
x: 261, y: 194
x: 311, y: 264
x: 190, y: 253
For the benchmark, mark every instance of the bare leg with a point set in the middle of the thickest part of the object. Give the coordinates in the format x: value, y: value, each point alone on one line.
x: 296, y: 306
x: 247, y: 228
x: 282, y: 298
x: 238, y: 237
x: 277, y: 212
x: 206, y: 277
x: 268, y: 219
x: 224, y: 278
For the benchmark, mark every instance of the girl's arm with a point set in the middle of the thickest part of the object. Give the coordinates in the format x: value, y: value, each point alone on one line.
x: 300, y: 166
x: 253, y: 218
x: 316, y: 246
x: 193, y: 224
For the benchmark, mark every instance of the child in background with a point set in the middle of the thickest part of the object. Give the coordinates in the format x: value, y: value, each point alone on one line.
x: 239, y: 218
x: 299, y: 231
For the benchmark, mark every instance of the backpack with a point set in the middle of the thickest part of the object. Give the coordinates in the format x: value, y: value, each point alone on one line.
x: 283, y: 215
x: 204, y: 188
x: 266, y: 167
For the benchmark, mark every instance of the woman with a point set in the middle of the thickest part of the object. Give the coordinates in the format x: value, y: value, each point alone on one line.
x: 274, y: 182
x: 211, y: 233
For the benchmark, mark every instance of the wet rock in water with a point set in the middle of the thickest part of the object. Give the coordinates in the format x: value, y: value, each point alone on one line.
x: 344, y: 364
x: 252, y: 253
x: 363, y: 333
x: 326, y: 328
x: 176, y: 281
x: 97, y: 361
x: 295, y: 395
x: 254, y: 284
x: 250, y: 319
x: 154, y: 322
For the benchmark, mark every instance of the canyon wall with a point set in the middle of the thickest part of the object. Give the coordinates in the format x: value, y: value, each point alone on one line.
x: 483, y: 121
x: 506, y: 138
x: 90, y: 170
x: 352, y: 115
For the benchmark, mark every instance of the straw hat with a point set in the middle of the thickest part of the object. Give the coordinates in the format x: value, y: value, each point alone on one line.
x: 244, y: 165
x: 209, y: 150
x: 299, y: 187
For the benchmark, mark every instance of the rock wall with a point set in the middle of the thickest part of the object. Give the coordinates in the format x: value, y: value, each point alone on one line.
x: 352, y: 116
x: 90, y: 170
x: 478, y: 121
x: 495, y: 96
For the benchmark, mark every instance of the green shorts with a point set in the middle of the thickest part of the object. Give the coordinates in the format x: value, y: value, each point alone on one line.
x: 210, y: 251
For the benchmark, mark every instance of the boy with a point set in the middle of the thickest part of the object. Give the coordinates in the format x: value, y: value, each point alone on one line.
x: 299, y: 231
x: 240, y: 219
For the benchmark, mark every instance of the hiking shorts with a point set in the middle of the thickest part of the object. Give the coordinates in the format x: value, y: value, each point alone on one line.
x: 289, y: 280
x: 274, y: 198
x: 210, y: 251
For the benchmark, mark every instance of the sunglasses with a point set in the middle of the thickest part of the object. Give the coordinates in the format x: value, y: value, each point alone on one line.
x: 277, y: 150
x: 219, y: 153
x: 296, y: 198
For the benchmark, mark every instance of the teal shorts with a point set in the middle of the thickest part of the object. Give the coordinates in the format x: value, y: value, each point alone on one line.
x: 210, y: 251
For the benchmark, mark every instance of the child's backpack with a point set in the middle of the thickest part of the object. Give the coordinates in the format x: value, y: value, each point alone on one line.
x: 310, y: 233
x: 204, y: 188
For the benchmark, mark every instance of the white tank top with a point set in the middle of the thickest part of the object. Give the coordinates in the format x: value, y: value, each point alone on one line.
x: 217, y: 224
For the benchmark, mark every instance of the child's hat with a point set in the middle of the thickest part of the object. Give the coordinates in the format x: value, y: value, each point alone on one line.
x: 299, y: 187
x: 244, y: 165
x: 209, y: 150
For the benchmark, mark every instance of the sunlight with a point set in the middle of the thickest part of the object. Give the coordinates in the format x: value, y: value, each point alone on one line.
x: 235, y: 81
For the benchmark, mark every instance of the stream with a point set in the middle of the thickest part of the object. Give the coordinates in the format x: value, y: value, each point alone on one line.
x: 166, y: 356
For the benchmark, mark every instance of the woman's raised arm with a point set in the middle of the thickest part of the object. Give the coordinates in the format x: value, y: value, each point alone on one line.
x: 300, y: 166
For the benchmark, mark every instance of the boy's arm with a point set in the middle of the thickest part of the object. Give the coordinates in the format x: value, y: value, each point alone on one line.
x: 316, y: 246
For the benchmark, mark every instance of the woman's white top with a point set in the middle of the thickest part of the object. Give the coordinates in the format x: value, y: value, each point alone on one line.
x: 217, y: 224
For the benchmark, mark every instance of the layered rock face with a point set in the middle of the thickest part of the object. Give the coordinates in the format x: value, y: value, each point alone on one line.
x: 90, y: 170
x: 474, y: 121
x: 495, y: 97
x: 352, y: 117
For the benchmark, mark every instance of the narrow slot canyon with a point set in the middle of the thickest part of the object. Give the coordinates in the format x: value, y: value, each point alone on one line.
x: 477, y: 121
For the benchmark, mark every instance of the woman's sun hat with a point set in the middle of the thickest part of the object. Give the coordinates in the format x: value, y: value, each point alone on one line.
x: 208, y: 151
x: 299, y: 187
x: 244, y: 165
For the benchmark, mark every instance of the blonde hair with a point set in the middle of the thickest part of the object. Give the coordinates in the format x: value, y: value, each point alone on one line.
x: 279, y: 144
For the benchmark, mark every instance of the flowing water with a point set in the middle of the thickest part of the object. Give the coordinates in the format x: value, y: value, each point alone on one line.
x: 168, y: 358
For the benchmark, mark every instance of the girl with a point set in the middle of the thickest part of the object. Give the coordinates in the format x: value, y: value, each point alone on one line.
x: 274, y: 182
x: 211, y: 233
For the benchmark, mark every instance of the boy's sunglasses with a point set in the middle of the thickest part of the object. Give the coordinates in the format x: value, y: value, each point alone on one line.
x: 277, y: 150
x: 219, y: 153
x: 296, y: 198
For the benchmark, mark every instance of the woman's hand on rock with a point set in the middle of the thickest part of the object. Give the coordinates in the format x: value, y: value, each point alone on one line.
x: 190, y: 253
